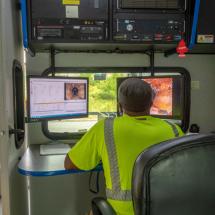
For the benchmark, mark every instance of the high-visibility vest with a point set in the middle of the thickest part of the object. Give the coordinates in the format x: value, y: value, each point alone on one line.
x: 116, y: 193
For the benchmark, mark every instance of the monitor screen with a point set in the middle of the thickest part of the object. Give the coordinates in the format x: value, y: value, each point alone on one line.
x: 163, y: 89
x: 168, y: 101
x: 57, y: 98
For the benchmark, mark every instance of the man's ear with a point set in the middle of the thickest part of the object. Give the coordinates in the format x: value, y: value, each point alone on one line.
x: 120, y: 108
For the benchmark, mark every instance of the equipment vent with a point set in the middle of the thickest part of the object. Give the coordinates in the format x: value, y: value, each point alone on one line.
x: 151, y: 4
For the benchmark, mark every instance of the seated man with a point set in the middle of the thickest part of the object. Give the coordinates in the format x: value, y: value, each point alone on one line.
x: 117, y: 142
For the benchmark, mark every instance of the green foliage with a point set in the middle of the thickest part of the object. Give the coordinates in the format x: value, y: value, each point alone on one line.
x: 102, y: 93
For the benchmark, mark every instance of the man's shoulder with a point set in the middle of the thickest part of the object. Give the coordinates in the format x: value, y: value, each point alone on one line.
x: 99, y: 125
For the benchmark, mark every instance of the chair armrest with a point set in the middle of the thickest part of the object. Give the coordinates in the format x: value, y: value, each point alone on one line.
x: 101, y: 206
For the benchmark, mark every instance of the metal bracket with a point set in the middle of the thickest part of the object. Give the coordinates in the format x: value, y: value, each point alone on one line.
x: 52, y: 59
x: 151, y: 54
x: 15, y: 131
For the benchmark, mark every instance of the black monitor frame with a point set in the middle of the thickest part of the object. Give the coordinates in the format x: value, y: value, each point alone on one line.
x: 174, y: 105
x: 186, y: 83
x: 29, y: 119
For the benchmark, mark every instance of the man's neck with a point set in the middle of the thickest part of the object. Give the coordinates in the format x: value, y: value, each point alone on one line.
x: 130, y: 113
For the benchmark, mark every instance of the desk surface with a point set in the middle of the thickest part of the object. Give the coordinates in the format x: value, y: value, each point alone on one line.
x: 34, y: 164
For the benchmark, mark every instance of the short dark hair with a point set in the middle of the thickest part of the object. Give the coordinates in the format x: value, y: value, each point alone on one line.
x: 135, y: 95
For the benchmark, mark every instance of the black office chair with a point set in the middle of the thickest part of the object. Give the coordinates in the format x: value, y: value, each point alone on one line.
x: 175, y: 177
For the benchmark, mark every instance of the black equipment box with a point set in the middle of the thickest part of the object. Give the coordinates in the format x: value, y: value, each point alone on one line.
x: 155, y: 21
x: 53, y: 21
x: 206, y: 30
x: 158, y: 28
x: 117, y: 21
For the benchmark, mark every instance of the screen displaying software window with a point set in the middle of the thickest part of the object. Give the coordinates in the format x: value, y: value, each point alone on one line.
x: 57, y: 98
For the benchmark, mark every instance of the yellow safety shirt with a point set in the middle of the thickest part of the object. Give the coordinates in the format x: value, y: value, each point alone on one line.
x: 130, y: 136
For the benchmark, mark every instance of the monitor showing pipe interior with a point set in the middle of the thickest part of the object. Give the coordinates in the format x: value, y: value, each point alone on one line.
x: 169, y: 96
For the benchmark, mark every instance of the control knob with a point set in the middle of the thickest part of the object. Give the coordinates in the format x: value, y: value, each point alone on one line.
x: 129, y: 27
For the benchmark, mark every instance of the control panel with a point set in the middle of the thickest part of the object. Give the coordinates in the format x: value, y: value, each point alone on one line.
x: 107, y: 21
x: 149, y: 29
x: 69, y: 30
x: 68, y: 20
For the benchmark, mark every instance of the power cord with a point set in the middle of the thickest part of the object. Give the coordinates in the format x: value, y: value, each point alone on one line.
x: 91, y: 189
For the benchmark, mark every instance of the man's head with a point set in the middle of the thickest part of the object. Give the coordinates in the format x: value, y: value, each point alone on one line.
x: 135, y: 96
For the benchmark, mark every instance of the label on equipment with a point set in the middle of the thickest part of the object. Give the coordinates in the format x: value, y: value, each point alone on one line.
x: 74, y: 2
x: 72, y: 12
x: 201, y: 38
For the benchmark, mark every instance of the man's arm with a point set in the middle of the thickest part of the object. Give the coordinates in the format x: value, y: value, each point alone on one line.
x: 68, y: 164
x: 85, y: 154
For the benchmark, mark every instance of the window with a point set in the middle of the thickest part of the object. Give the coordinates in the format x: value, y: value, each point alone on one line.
x: 18, y: 97
x: 102, y: 97
x: 102, y: 103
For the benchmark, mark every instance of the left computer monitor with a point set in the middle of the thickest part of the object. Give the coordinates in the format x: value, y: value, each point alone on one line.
x: 55, y: 98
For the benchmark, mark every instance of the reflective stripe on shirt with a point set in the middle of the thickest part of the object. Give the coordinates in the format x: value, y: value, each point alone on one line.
x: 116, y: 193
x: 174, y: 128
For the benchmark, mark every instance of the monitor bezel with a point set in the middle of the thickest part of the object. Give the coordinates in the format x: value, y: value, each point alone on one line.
x: 29, y: 119
x: 173, y: 117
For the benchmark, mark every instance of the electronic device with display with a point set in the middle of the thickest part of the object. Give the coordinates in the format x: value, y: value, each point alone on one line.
x: 46, y: 22
x: 52, y: 98
x: 170, y: 101
x: 53, y: 21
x: 155, y: 21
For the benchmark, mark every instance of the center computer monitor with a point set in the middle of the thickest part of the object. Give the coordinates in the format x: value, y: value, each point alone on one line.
x: 169, y: 96
x: 52, y: 98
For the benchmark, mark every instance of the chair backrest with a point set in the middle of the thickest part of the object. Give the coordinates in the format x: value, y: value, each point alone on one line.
x: 176, y: 177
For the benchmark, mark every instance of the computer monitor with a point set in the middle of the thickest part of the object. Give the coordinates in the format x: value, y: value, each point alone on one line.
x: 169, y: 101
x: 55, y: 98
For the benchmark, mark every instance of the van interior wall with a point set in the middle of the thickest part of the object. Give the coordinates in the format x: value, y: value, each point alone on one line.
x: 201, y: 68
x: 66, y: 192
x: 13, y: 184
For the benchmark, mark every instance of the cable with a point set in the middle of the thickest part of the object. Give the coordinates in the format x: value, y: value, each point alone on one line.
x: 96, y: 191
x: 195, y: 23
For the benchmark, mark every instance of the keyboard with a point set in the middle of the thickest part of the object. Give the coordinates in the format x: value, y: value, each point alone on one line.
x: 54, y: 149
